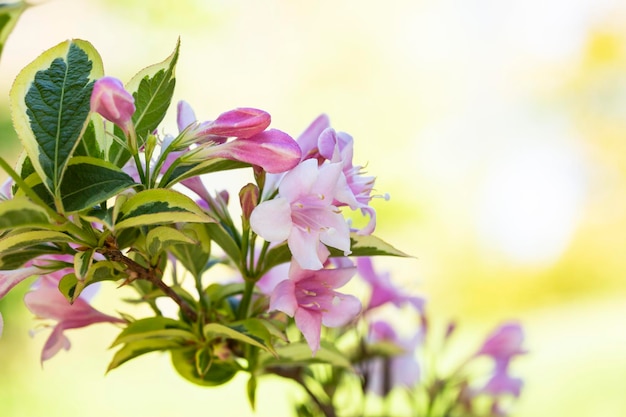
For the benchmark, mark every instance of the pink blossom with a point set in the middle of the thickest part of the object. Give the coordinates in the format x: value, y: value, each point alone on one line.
x: 501, y: 383
x: 303, y: 214
x: 310, y: 297
x: 383, y: 289
x: 47, y: 302
x: 9, y: 279
x: 504, y: 342
x: 272, y: 150
x: 113, y: 102
x: 402, y: 370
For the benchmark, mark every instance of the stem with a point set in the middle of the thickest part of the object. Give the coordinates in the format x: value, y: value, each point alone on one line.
x: 296, y: 375
x: 244, y: 305
x: 137, y: 271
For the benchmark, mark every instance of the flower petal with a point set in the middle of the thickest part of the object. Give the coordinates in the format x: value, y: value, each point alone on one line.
x: 310, y: 324
x: 9, y: 279
x: 303, y: 246
x: 272, y: 220
x: 56, y: 341
x: 344, y: 309
x: 283, y: 298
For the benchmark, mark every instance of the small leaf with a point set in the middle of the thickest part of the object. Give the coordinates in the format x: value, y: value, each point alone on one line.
x: 185, y: 363
x: 156, y: 328
x: 140, y: 347
x: 251, y: 390
x: 82, y: 263
x: 194, y: 257
x: 50, y: 106
x: 14, y: 260
x: 9, y: 14
x: 369, y: 246
x: 250, y: 331
x: 152, y: 88
x: 299, y: 354
x: 71, y: 287
x: 162, y: 237
x: 193, y: 169
x: 159, y: 206
x: 218, y: 292
x: 21, y: 212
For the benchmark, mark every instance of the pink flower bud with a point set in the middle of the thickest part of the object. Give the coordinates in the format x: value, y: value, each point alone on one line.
x: 113, y: 102
x: 249, y: 199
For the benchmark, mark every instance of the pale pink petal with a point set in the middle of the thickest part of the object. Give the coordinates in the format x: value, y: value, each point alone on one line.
x: 335, y: 278
x: 184, y: 116
x: 309, y: 138
x: 303, y: 246
x: 299, y: 180
x: 56, y: 341
x: 283, y: 298
x: 345, y: 308
x: 326, y: 181
x: 336, y: 234
x: 272, y: 220
x: 310, y: 324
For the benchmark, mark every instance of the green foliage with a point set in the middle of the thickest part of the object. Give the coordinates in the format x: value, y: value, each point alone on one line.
x: 21, y: 212
x: 9, y: 14
x: 152, y: 88
x: 50, y: 105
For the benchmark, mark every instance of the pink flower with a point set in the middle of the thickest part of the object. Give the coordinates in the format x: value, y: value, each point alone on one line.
x: 113, y: 102
x: 272, y: 150
x: 47, y: 302
x: 501, y: 383
x: 504, y: 343
x: 383, y: 290
x: 402, y: 370
x: 303, y: 214
x: 310, y: 297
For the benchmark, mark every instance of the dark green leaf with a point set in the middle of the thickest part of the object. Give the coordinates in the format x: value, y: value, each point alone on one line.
x: 89, y: 181
x: 139, y: 347
x: 218, y: 372
x: 9, y: 14
x: 21, y: 212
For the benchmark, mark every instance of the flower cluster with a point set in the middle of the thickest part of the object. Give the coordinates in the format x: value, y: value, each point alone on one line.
x: 101, y: 195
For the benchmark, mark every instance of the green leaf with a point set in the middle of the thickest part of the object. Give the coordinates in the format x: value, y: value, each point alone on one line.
x: 369, y: 246
x: 217, y: 373
x: 140, y: 347
x: 19, y: 241
x: 225, y: 240
x: 250, y: 331
x: 21, y: 212
x: 156, y: 328
x: 9, y: 14
x: 92, y: 140
x: 251, y: 390
x: 299, y: 354
x: 50, y: 106
x: 82, y: 263
x: 89, y: 181
x: 193, y: 169
x: 71, y: 287
x: 14, y: 260
x: 218, y: 292
x: 152, y: 88
x: 159, y: 206
x: 194, y: 257
x: 162, y: 237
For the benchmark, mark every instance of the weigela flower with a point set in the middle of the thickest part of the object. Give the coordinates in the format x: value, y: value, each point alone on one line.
x: 310, y: 297
x: 47, y: 302
x: 383, y: 289
x: 504, y: 343
x: 110, y: 99
x: 303, y: 214
x: 271, y: 149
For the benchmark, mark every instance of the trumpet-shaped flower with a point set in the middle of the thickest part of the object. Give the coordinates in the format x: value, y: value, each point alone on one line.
x: 303, y: 214
x: 504, y: 343
x: 47, y: 302
x: 113, y: 102
x: 383, y: 290
x: 310, y: 297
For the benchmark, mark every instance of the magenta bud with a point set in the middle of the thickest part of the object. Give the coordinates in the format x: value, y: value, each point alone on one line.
x: 110, y: 99
x: 242, y: 122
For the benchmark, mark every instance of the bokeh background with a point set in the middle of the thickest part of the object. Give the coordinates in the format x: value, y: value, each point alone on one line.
x: 498, y: 127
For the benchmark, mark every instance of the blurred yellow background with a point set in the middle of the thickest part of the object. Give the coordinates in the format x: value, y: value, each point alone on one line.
x: 498, y: 127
